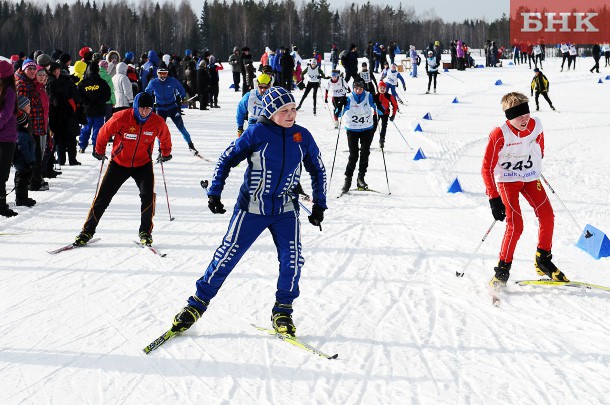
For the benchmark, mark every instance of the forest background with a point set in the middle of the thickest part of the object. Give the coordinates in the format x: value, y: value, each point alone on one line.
x: 221, y: 25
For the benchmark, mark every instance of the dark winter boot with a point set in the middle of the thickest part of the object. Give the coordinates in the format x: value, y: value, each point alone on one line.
x: 192, y: 149
x: 501, y: 277
x: 381, y: 142
x: 82, y: 239
x: 283, y: 324
x: 361, y: 183
x: 347, y: 184
x: 145, y: 238
x: 25, y: 202
x: 5, y: 211
x: 545, y: 267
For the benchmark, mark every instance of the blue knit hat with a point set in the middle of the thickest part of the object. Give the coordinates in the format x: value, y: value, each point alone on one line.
x: 274, y: 99
x: 129, y: 55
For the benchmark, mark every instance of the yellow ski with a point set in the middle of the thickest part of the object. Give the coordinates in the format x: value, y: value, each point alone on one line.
x: 295, y: 341
x: 578, y: 284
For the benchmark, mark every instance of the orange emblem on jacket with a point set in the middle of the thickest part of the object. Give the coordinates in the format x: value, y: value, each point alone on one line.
x: 297, y: 137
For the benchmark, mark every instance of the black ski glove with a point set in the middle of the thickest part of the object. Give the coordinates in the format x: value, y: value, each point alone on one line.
x: 392, y: 117
x: 497, y: 209
x: 164, y: 158
x: 99, y: 156
x: 215, y: 205
x: 317, y: 215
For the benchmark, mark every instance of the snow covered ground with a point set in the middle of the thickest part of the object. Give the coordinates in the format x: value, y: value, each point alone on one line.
x: 378, y: 286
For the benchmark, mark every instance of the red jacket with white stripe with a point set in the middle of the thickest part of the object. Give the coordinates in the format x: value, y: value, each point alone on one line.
x: 133, y: 143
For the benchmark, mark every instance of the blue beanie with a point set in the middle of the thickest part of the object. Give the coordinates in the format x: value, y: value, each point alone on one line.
x: 274, y: 99
x: 188, y: 52
x: 129, y: 55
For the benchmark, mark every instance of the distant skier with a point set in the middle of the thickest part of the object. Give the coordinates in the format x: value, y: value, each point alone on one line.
x: 540, y: 85
x: 391, y: 76
x: 359, y: 123
x: 168, y: 94
x: 386, y: 103
x: 276, y: 150
x: 432, y: 69
x: 512, y: 165
x: 339, y: 89
x: 313, y: 73
x: 250, y: 106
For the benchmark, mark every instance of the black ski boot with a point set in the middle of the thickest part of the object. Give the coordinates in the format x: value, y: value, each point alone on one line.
x: 347, y: 184
x: 193, y: 150
x: 283, y: 324
x: 545, y: 267
x: 25, y: 201
x: 185, y: 319
x: 145, y: 238
x: 83, y: 238
x: 501, y: 277
x: 361, y: 183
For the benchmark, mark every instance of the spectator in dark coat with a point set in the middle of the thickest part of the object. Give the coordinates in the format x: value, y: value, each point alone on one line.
x: 597, y: 54
x: 351, y: 63
x: 190, y: 79
x: 93, y: 92
x: 287, y: 64
x: 203, y: 84
x: 245, y: 59
x: 63, y: 102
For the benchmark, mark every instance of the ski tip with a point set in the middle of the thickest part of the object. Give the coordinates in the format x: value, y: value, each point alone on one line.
x: 458, y: 274
x: 334, y: 356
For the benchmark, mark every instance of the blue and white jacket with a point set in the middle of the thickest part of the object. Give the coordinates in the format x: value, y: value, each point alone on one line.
x: 275, y: 157
x: 165, y: 91
x: 252, y: 104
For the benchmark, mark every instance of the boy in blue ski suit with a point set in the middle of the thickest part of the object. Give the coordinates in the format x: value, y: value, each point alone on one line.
x: 251, y: 104
x: 164, y: 89
x: 276, y: 149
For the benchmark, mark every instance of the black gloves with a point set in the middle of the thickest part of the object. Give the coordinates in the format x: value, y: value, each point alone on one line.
x: 497, y: 209
x: 326, y: 100
x: 164, y: 159
x: 215, y: 205
x: 392, y: 117
x: 317, y: 215
x: 99, y: 156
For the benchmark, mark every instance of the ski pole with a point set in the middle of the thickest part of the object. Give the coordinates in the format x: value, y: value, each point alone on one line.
x: 386, y: 171
x: 166, y: 194
x: 97, y: 186
x: 335, y: 155
x: 309, y: 213
x: 457, y: 273
x: 588, y: 234
x: 402, y: 136
x: 451, y: 76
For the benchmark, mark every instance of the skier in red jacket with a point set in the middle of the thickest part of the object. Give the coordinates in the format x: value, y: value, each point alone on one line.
x: 134, y: 131
x: 512, y: 165
x: 384, y: 101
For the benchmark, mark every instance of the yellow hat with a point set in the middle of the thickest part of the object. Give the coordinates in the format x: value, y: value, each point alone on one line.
x: 263, y: 79
x: 437, y: 43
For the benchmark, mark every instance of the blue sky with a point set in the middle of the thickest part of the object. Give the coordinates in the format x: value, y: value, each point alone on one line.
x: 448, y: 10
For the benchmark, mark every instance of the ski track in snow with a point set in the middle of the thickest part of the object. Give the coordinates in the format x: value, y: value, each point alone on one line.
x: 378, y: 285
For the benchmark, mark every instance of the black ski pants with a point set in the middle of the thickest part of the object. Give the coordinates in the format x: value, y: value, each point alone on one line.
x: 432, y: 76
x: 338, y: 104
x: 311, y: 86
x: 113, y: 179
x: 7, y: 150
x: 565, y: 56
x: 364, y: 138
x: 546, y: 97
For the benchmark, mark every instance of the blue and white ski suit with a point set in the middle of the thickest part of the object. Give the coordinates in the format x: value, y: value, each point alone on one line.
x: 267, y: 200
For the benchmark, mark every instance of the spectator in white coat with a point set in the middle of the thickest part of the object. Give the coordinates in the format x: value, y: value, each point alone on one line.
x: 123, y: 90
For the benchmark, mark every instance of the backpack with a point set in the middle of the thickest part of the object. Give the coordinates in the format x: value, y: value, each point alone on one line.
x: 343, y: 57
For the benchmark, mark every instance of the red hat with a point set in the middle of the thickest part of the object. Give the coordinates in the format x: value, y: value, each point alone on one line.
x: 381, y: 84
x: 6, y: 69
x: 83, y: 51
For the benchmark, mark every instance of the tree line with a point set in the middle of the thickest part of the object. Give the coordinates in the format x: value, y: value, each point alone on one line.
x: 220, y: 25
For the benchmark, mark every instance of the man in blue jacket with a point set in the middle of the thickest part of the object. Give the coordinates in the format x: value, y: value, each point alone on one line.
x: 168, y: 94
x: 276, y: 149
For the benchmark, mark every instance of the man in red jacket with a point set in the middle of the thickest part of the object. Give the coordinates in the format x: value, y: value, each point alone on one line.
x: 512, y: 165
x: 134, y: 131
